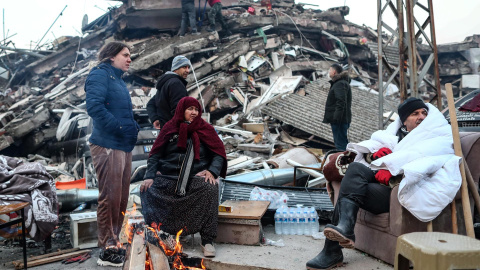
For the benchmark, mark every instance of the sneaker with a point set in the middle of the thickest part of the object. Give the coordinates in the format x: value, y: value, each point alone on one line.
x: 211, y: 29
x: 208, y: 250
x: 111, y: 257
x: 196, y: 33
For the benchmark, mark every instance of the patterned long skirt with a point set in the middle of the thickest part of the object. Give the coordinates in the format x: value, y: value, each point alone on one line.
x: 197, y: 211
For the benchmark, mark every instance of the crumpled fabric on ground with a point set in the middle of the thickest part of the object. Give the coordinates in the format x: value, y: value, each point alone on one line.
x: 30, y: 182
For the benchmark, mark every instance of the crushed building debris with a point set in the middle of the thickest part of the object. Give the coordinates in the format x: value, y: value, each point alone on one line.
x: 263, y: 87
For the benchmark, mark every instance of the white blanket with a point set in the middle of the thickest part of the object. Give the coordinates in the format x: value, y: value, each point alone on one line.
x: 426, y: 158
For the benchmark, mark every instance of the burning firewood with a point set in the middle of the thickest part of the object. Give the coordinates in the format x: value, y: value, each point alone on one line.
x: 147, y: 251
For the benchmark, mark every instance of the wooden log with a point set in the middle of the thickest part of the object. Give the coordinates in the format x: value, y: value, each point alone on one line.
x: 31, y: 259
x: 138, y: 254
x: 53, y: 259
x: 158, y: 259
x: 458, y: 152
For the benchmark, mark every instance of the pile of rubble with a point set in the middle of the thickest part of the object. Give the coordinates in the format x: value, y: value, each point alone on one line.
x: 263, y: 87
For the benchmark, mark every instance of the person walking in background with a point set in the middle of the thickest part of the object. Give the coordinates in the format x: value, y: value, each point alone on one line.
x: 113, y: 138
x: 338, y: 108
x: 215, y: 13
x: 188, y: 15
x: 171, y: 87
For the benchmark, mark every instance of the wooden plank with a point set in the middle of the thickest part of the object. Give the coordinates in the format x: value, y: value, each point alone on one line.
x: 158, y: 260
x: 53, y: 259
x: 5, y: 209
x: 138, y: 253
x: 245, y: 209
x: 216, y: 265
x: 31, y: 259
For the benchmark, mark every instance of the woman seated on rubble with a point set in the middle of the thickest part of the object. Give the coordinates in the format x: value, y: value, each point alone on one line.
x: 180, y: 189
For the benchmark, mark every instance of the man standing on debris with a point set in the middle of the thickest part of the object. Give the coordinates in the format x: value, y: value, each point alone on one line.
x: 216, y: 13
x: 113, y: 138
x: 338, y: 108
x: 414, y: 152
x: 188, y: 15
x: 171, y: 87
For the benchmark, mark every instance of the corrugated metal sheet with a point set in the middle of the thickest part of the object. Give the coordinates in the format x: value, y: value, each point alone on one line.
x: 306, y: 112
x: 390, y: 53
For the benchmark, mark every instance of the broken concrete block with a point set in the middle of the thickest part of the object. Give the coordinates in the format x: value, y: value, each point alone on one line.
x: 5, y: 141
x: 25, y: 126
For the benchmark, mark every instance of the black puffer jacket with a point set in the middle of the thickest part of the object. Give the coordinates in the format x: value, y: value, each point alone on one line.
x: 170, y: 89
x: 169, y: 161
x: 338, y: 108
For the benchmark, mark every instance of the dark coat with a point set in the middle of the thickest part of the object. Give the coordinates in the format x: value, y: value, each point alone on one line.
x: 169, y: 161
x: 338, y: 108
x: 170, y: 89
x: 110, y: 106
x: 186, y: 2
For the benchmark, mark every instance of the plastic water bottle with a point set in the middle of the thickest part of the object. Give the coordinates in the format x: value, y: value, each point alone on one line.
x: 278, y: 221
x: 313, y: 221
x: 293, y: 222
x: 301, y: 221
x: 285, y: 221
x: 306, y: 224
x: 308, y: 221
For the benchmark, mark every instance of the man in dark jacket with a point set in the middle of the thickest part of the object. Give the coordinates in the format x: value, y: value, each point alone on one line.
x: 216, y: 13
x: 338, y: 108
x: 188, y: 15
x: 171, y: 87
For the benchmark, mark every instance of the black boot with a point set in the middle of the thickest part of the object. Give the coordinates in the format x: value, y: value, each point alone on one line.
x: 343, y: 232
x: 331, y: 256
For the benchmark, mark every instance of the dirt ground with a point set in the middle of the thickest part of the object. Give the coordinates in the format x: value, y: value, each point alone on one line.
x: 296, y: 252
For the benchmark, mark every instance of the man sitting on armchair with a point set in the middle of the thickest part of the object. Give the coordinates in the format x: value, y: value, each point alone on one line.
x: 417, y: 149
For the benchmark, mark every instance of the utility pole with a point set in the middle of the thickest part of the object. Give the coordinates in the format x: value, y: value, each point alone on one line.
x: 407, y: 76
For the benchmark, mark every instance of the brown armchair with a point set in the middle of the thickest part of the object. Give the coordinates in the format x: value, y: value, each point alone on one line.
x: 377, y: 234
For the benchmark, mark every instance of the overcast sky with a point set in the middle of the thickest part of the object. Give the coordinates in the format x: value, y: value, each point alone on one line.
x: 30, y: 19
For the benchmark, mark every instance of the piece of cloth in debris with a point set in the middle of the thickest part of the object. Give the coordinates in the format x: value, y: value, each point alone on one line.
x: 426, y: 158
x: 472, y: 106
x: 170, y: 89
x: 198, y: 130
x: 197, y: 211
x: 30, y: 182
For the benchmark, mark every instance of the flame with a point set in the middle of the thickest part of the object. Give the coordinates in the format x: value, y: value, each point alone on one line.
x: 176, y: 252
x: 128, y: 227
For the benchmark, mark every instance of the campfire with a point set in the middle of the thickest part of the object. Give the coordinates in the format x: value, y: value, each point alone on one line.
x: 147, y: 248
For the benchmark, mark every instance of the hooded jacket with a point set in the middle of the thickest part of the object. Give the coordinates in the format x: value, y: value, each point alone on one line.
x: 338, y: 108
x: 170, y: 89
x: 110, y: 106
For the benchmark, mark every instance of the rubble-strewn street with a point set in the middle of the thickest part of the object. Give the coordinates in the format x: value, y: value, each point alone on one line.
x: 263, y: 87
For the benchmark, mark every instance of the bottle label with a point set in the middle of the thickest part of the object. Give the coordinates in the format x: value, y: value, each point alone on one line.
x: 294, y: 220
x: 285, y: 220
x: 302, y: 220
x: 313, y: 219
